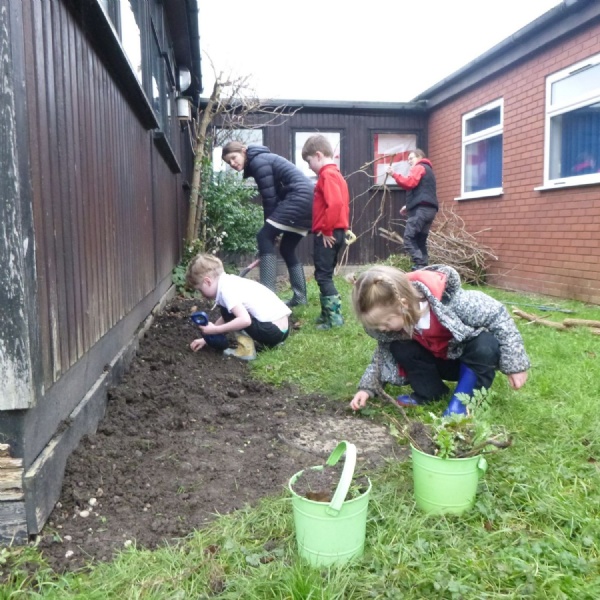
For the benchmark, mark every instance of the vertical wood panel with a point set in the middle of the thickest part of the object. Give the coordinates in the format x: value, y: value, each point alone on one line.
x: 95, y: 207
x: 76, y: 347
x: 30, y: 29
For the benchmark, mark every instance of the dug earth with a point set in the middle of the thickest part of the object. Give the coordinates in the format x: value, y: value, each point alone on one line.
x: 188, y: 436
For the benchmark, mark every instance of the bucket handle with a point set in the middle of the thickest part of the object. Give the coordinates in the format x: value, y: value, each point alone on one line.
x: 346, y: 477
x: 482, y: 466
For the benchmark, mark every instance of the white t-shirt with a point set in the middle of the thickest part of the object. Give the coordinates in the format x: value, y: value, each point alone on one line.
x: 425, y: 320
x: 258, y: 300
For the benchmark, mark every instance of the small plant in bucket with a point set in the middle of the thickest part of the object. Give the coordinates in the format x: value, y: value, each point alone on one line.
x: 448, y: 454
x: 460, y: 436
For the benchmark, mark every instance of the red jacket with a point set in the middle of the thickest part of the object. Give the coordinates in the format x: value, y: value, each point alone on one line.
x: 331, y: 206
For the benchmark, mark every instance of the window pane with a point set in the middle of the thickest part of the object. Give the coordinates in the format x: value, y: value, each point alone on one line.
x: 575, y: 143
x: 222, y: 136
x: 487, y: 119
x: 158, y: 86
x: 483, y: 164
x: 299, y: 140
x: 130, y: 34
x: 576, y: 86
x: 392, y: 149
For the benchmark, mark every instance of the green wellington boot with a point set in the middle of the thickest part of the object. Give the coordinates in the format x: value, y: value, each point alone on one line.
x: 332, y: 307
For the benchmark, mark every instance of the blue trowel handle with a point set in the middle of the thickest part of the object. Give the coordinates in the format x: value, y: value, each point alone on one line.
x: 218, y: 340
x: 200, y: 318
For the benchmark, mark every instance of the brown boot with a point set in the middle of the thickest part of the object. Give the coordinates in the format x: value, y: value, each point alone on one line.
x: 245, y: 347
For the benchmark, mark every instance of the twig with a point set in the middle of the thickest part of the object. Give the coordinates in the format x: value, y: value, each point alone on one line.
x: 450, y: 243
x: 581, y: 323
x: 538, y: 320
x: 479, y: 449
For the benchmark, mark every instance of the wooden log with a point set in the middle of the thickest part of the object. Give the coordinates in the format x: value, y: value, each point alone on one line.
x: 538, y: 320
x: 4, y: 450
x: 595, y: 331
x: 581, y: 323
x: 11, y: 463
x: 11, y: 479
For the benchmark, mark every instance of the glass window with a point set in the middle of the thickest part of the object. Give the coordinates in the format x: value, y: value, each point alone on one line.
x: 221, y: 136
x: 573, y: 124
x: 300, y: 138
x: 131, y: 26
x: 392, y: 149
x: 159, y: 93
x: 482, y: 140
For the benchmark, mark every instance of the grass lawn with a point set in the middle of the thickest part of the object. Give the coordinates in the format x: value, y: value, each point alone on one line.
x: 534, y: 532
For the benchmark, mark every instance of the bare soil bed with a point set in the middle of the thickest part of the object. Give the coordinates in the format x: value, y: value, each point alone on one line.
x: 186, y: 436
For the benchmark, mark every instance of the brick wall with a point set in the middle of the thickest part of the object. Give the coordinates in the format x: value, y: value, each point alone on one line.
x: 547, y: 241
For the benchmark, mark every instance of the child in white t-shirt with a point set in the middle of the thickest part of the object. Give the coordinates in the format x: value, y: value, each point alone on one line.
x: 247, y: 307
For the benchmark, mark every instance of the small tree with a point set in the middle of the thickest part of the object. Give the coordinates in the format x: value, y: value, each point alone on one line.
x: 234, y: 105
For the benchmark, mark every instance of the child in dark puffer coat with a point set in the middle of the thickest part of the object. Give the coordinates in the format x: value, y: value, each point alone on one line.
x: 287, y: 197
x: 429, y: 330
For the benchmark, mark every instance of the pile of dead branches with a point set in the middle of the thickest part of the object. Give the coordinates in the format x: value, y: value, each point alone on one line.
x: 449, y: 243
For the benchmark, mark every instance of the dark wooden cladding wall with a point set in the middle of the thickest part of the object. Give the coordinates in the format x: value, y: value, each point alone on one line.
x: 100, y: 190
x: 357, y: 127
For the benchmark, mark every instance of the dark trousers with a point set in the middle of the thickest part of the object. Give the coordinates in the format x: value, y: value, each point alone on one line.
x: 326, y: 260
x: 287, y: 246
x: 426, y: 373
x: 266, y: 334
x: 416, y: 233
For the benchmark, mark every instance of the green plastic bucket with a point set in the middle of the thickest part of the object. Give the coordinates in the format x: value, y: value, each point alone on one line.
x: 331, y: 533
x: 446, y: 485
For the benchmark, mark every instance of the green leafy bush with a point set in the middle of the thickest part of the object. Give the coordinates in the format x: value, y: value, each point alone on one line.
x: 179, y: 272
x: 232, y: 220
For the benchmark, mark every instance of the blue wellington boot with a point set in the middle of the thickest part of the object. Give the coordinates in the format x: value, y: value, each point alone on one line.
x: 465, y: 385
x: 407, y: 401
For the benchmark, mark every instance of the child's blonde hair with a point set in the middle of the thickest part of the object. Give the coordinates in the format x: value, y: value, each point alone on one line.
x: 201, y: 266
x: 386, y: 287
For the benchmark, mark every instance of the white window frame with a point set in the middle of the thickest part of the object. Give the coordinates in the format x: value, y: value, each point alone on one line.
x: 478, y: 137
x: 553, y: 110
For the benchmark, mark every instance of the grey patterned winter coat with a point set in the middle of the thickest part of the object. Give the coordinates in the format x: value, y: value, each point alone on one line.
x: 465, y: 314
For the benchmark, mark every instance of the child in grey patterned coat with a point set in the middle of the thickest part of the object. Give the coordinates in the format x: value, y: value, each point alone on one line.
x: 429, y: 330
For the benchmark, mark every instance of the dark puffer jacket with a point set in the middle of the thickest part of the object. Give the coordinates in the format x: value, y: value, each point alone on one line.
x: 287, y: 194
x: 465, y: 313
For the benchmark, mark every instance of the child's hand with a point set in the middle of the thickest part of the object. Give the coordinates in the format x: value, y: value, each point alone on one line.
x: 198, y: 344
x: 517, y: 380
x: 403, y: 210
x: 360, y: 400
x: 328, y: 240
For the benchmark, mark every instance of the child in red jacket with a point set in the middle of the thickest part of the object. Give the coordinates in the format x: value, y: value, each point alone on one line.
x: 331, y: 216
